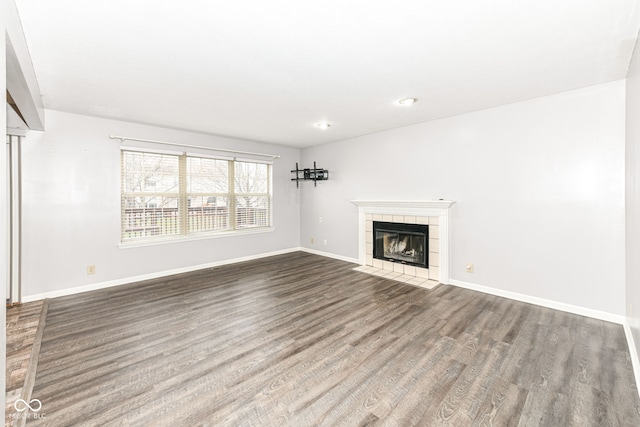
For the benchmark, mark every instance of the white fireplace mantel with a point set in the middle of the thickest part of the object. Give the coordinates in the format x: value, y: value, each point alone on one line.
x: 426, y: 207
x: 429, y: 208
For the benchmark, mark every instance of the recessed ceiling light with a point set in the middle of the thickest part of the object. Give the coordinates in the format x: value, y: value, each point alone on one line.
x: 407, y: 101
x: 323, y: 125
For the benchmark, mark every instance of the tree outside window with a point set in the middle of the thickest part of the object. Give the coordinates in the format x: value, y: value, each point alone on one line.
x: 167, y: 195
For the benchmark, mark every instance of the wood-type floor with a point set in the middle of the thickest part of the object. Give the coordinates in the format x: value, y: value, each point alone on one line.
x: 303, y: 340
x: 22, y: 324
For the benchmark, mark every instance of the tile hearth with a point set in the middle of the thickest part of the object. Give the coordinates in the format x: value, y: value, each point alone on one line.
x: 434, y: 213
x: 426, y: 278
x: 392, y: 275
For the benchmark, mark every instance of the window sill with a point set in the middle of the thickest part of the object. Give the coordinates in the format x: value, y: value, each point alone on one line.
x: 179, y: 239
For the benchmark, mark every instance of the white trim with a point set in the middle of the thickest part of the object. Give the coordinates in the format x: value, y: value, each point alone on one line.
x: 203, y: 236
x: 210, y: 156
x: 16, y: 131
x: 484, y: 289
x: 596, y: 314
x: 404, y: 206
x: 330, y: 255
x: 201, y: 147
x: 127, y: 280
x: 262, y: 162
x: 15, y: 218
x: 633, y: 352
x: 21, y: 79
x: 154, y: 151
x: 574, y: 309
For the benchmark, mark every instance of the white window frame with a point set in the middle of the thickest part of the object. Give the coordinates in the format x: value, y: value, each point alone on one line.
x: 183, y: 208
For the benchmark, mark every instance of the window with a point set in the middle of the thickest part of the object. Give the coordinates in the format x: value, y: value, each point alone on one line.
x: 207, y: 195
x: 170, y: 195
x: 252, y: 194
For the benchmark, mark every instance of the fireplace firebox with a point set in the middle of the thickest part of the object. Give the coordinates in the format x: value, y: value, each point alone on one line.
x: 403, y: 243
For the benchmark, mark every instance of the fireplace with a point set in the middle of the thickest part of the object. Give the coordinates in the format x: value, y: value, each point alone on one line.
x: 432, y: 214
x: 399, y: 242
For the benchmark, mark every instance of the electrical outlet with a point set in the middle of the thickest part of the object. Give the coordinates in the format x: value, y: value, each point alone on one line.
x: 469, y: 268
x: 320, y: 220
x: 91, y: 269
x: 312, y: 240
x: 325, y: 241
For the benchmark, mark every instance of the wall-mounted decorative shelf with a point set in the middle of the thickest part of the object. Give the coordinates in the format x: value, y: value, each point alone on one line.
x: 316, y: 174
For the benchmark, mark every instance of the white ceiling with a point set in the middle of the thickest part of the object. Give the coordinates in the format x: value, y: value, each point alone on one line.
x: 269, y: 70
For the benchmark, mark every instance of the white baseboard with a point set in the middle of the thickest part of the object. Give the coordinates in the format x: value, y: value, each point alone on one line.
x: 574, y: 309
x: 485, y: 289
x: 126, y: 280
x: 633, y: 352
x: 330, y: 255
x: 622, y: 320
x: 596, y: 314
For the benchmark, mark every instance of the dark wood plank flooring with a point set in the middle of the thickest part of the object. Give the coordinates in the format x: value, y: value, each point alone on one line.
x: 302, y: 340
x: 22, y: 325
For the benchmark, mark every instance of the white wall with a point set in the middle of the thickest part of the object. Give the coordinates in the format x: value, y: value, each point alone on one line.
x: 71, y: 207
x: 539, y: 187
x: 633, y: 203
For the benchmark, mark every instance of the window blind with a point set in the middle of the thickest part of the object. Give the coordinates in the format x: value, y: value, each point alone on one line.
x: 168, y: 195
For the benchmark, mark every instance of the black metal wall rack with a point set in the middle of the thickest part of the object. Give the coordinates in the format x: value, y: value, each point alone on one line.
x: 316, y: 174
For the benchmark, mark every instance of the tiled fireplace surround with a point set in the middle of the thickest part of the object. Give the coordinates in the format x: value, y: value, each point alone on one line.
x: 434, y: 213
